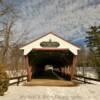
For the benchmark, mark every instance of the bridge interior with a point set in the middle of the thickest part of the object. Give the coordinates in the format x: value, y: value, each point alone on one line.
x: 58, y: 59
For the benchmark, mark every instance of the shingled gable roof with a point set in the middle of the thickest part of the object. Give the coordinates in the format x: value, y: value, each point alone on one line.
x: 64, y: 44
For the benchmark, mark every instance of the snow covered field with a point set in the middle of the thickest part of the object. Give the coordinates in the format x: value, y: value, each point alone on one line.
x: 81, y: 92
x: 88, y: 72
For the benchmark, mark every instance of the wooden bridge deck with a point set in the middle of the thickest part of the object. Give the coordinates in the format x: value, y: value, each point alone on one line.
x: 51, y: 82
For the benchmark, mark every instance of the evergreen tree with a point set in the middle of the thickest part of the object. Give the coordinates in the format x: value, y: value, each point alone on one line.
x: 93, y: 42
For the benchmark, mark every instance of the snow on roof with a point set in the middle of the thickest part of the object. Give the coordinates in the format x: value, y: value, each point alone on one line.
x: 50, y: 41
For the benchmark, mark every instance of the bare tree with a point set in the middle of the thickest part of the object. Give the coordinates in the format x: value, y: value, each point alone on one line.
x: 8, y: 15
x: 6, y: 33
x: 9, y: 52
x: 6, y: 8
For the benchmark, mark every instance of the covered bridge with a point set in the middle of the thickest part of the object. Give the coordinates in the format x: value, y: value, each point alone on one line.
x: 51, y: 50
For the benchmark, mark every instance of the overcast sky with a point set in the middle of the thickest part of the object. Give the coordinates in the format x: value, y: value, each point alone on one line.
x: 68, y: 18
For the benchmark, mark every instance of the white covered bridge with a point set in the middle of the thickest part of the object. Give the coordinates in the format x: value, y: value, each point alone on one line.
x: 50, y: 49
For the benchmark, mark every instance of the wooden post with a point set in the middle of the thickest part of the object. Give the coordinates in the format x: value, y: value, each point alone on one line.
x: 73, y: 66
x: 68, y: 70
x: 65, y: 71
x: 18, y: 81
x: 29, y: 69
x: 62, y: 71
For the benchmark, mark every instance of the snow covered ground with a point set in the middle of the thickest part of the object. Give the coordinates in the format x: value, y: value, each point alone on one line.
x: 81, y: 92
x: 88, y: 72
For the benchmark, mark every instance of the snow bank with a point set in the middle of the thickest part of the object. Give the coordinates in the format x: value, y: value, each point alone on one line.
x: 82, y: 92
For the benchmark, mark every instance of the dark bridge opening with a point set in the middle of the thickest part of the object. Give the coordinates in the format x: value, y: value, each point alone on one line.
x: 60, y: 60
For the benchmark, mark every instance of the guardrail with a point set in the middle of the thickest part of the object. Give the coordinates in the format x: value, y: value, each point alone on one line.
x: 18, y: 80
x: 86, y: 79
